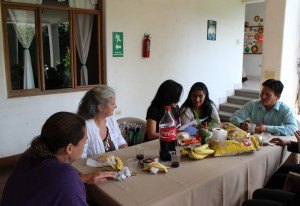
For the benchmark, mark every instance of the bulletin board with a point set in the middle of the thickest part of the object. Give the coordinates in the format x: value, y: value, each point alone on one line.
x: 253, y: 40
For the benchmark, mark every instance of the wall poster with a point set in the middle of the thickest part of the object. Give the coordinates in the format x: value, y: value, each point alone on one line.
x: 211, y: 30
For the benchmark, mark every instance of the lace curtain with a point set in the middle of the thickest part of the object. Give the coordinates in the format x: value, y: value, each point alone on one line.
x: 25, y: 30
x: 24, y: 24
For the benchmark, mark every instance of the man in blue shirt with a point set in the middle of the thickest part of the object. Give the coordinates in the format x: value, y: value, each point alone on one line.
x: 268, y: 113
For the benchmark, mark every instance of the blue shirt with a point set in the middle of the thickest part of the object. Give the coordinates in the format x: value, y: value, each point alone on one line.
x: 280, y: 120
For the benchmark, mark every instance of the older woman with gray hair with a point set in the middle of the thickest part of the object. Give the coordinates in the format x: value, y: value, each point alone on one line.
x: 103, y: 133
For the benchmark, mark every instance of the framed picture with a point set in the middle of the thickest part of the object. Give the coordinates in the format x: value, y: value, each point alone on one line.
x: 211, y: 30
x: 253, y: 40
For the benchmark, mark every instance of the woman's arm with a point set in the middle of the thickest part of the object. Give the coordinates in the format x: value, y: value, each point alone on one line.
x: 97, y: 177
x: 151, y: 129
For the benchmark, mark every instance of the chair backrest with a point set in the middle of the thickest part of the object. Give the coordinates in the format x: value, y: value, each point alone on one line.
x: 131, y: 122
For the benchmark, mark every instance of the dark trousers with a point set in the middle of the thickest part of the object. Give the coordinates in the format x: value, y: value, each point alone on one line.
x: 278, y: 178
x: 270, y: 197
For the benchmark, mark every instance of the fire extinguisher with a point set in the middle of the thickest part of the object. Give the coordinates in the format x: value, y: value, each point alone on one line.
x: 146, y: 46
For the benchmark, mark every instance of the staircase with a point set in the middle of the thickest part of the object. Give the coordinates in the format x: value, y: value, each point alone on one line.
x: 236, y: 102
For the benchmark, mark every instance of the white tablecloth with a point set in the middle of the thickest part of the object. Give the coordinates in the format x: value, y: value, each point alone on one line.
x: 226, y: 181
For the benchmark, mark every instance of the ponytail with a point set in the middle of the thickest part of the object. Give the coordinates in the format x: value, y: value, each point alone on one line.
x: 38, y: 148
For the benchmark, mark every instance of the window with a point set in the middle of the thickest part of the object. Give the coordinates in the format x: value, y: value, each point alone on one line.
x: 52, y: 45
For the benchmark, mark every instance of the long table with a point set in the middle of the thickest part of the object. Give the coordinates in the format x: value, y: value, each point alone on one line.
x: 214, y: 181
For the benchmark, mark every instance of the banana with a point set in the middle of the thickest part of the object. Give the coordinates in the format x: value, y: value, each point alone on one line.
x: 157, y: 165
x: 205, y: 146
x: 196, y: 156
x: 119, y: 164
x: 204, y: 151
x: 184, y: 152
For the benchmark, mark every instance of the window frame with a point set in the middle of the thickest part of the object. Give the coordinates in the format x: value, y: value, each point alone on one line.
x: 41, y: 89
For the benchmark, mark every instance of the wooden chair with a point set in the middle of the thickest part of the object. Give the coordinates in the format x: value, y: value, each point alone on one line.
x: 127, y: 122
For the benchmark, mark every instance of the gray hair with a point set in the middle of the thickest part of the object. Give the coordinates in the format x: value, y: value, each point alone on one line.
x: 100, y: 95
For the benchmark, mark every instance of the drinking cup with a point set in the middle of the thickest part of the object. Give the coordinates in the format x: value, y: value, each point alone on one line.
x: 175, y: 159
x: 139, y: 151
x: 132, y: 164
x: 251, y: 128
x: 266, y: 137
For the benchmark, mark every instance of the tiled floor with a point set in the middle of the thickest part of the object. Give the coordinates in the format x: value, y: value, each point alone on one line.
x: 252, y: 84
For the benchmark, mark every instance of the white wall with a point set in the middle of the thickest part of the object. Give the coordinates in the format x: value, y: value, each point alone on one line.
x: 179, y: 51
x: 281, y: 42
x: 252, y: 63
x: 290, y: 51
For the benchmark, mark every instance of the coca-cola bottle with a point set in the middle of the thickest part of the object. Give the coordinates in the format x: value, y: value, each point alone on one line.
x: 167, y: 135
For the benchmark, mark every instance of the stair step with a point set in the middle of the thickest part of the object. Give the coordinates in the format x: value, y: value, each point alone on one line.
x: 229, y: 107
x: 225, y: 116
x: 239, y: 99
x: 247, y: 93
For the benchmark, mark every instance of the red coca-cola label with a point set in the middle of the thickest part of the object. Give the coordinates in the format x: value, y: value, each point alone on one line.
x: 167, y: 134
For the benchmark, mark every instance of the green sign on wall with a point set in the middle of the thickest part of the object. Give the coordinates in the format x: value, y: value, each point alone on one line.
x: 117, y: 44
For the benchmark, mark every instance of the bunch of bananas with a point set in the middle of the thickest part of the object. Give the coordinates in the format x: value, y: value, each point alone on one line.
x: 156, y: 165
x: 197, y: 153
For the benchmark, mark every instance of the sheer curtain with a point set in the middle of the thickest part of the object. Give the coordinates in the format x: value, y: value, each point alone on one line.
x: 25, y: 29
x: 84, y: 26
x: 24, y: 24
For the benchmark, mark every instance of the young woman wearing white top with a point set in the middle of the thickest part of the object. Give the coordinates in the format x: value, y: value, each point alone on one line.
x: 103, y: 134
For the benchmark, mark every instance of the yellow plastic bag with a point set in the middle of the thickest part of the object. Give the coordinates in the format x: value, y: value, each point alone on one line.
x: 233, y: 132
x: 234, y: 147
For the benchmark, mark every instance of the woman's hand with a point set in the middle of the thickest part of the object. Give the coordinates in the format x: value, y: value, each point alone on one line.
x: 123, y: 146
x: 280, y: 141
x: 297, y: 135
x: 97, y: 177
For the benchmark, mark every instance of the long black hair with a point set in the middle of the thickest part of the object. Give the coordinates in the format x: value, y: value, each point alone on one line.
x: 206, y: 107
x: 168, y: 92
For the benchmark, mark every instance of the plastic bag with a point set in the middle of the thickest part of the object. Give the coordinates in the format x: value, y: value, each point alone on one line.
x: 233, y: 132
x: 234, y: 147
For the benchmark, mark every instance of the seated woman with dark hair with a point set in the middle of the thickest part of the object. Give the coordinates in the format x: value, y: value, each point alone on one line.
x: 43, y: 174
x: 168, y: 94
x: 198, y: 106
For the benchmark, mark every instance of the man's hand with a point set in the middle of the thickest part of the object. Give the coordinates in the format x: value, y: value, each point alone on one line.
x: 97, y: 177
x: 261, y: 128
x: 280, y: 141
x: 244, y: 125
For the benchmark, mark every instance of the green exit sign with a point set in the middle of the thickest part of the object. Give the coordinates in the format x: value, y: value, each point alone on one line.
x: 117, y: 44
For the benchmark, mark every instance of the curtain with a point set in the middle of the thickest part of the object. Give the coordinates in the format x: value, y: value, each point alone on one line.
x: 83, y: 4
x: 24, y: 25
x: 84, y: 26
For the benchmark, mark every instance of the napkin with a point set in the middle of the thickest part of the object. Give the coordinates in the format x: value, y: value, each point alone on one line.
x: 93, y: 163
